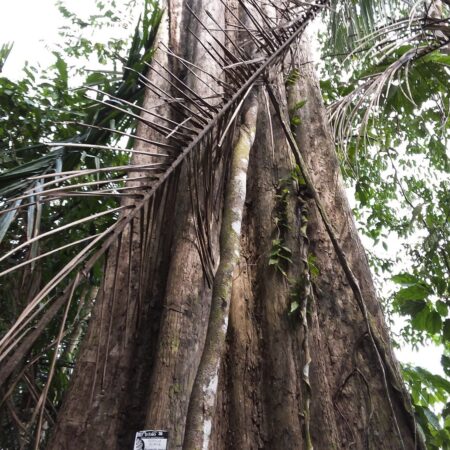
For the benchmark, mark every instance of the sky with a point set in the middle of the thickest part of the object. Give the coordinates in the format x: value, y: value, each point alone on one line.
x: 31, y: 25
x: 41, y: 20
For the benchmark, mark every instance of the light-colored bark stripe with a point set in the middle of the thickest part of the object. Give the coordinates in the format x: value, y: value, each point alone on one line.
x: 204, y: 393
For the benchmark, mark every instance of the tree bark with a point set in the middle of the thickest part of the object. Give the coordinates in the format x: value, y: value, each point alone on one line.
x: 263, y: 398
x: 146, y: 334
x: 188, y: 292
x: 119, y: 347
x: 202, y: 404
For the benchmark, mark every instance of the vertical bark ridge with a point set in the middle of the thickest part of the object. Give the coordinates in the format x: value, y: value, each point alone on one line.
x: 188, y: 295
x: 324, y: 166
x: 202, y: 402
x: 112, y: 353
x: 349, y: 405
x: 264, y: 345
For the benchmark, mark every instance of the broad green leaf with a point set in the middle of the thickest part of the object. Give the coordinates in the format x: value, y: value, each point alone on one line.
x: 432, y: 418
x: 418, y: 291
x: 442, y: 308
x: 420, y: 320
x: 411, y: 307
x: 405, y: 279
x: 433, y: 322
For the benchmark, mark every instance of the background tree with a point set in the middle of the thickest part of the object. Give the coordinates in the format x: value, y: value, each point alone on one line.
x: 295, y: 342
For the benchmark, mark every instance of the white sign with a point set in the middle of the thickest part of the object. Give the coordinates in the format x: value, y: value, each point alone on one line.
x: 151, y: 440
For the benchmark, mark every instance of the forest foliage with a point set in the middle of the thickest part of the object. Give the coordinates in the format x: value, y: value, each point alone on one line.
x: 388, y: 99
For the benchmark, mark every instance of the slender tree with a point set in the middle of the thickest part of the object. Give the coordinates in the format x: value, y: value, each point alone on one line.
x: 236, y: 307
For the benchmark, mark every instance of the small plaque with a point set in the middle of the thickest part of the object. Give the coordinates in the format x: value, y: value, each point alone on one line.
x: 151, y: 440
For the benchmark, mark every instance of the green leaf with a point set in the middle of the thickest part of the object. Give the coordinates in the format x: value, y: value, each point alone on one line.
x: 432, y: 418
x: 433, y: 322
x: 295, y: 121
x: 313, y: 269
x: 438, y: 57
x: 445, y: 361
x: 426, y: 320
x: 95, y: 78
x: 405, y: 279
x: 300, y: 104
x: 411, y: 307
x: 294, y: 307
x: 293, y: 77
x: 446, y: 330
x: 61, y: 67
x: 418, y: 291
x: 286, y: 258
x: 281, y: 270
x: 446, y: 410
x: 420, y: 320
x: 442, y: 308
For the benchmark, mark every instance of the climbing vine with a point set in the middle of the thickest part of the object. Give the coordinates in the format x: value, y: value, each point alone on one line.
x: 301, y: 292
x: 281, y: 254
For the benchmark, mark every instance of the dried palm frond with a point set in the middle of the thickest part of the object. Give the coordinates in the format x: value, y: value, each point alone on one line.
x: 397, y: 49
x: 193, y: 134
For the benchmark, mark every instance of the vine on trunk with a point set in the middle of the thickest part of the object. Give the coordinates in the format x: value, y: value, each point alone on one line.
x: 389, y: 374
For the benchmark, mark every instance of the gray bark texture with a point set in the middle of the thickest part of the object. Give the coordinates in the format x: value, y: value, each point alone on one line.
x: 288, y: 378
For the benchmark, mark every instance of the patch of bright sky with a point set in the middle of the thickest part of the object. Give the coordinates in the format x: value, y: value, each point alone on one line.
x: 33, y: 27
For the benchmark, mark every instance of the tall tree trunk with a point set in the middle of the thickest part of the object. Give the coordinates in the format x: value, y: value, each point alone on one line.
x: 348, y: 400
x: 149, y: 324
x: 125, y: 320
x: 303, y: 365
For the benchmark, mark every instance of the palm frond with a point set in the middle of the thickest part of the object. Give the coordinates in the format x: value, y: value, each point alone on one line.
x: 400, y: 49
x: 16, y: 180
x: 5, y: 50
x: 194, y: 133
x: 351, y: 20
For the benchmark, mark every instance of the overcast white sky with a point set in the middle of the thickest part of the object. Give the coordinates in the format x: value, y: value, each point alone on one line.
x: 33, y: 26
x: 30, y: 24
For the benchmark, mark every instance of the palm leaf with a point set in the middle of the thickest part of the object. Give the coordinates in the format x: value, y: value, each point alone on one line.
x: 17, y: 179
x: 5, y: 50
x: 351, y: 21
x: 197, y: 140
x: 396, y: 52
